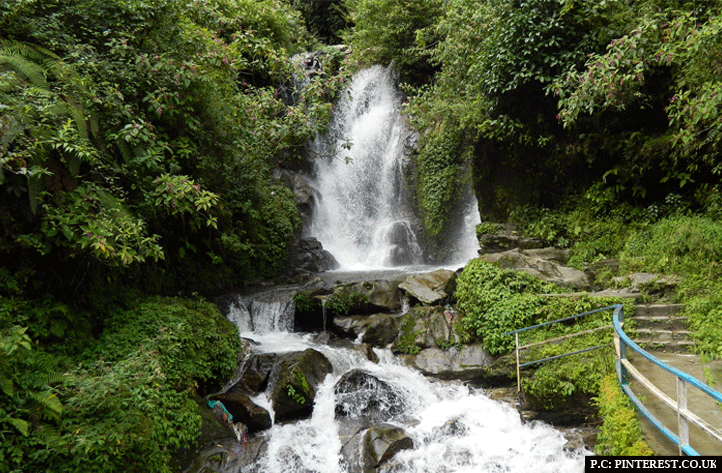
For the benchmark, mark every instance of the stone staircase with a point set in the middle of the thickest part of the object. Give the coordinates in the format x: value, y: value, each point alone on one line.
x: 659, y: 327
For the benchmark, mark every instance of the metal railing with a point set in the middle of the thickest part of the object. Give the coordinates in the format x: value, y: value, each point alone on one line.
x: 518, y: 348
x: 624, y: 369
x: 684, y: 416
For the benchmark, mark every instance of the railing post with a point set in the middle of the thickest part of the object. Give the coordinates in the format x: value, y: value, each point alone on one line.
x: 682, y: 424
x: 621, y: 350
x: 518, y: 373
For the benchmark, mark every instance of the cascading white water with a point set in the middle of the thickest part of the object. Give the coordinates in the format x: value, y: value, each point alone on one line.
x: 455, y: 429
x: 363, y: 216
x: 253, y: 315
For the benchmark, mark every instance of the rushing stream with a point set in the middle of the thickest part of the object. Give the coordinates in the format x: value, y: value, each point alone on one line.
x: 455, y: 428
x: 364, y: 218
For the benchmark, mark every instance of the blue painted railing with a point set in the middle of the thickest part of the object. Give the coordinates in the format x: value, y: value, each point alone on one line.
x: 684, y: 416
x: 624, y: 369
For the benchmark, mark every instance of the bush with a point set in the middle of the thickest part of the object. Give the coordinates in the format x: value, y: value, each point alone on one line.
x: 621, y: 433
x: 681, y: 244
x: 196, y: 344
x: 495, y: 301
x: 128, y: 405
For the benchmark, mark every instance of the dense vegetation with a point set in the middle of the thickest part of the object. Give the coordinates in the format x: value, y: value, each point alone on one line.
x: 139, y: 140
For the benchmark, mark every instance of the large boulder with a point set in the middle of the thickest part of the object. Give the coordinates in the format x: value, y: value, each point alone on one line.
x: 252, y: 380
x: 427, y: 327
x: 362, y: 396
x: 435, y: 287
x: 508, y: 241
x: 307, y: 254
x: 377, y: 330
x: 542, y: 264
x: 382, y: 330
x: 244, y: 410
x: 378, y: 295
x: 294, y: 381
x: 467, y: 362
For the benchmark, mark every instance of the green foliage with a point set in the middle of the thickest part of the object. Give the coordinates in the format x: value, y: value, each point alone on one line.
x: 593, y: 228
x: 325, y: 19
x: 495, y: 301
x: 680, y: 244
x: 487, y: 228
x: 296, y: 396
x: 666, y: 61
x: 702, y: 307
x: 128, y: 405
x: 135, y: 131
x: 196, y: 344
x: 620, y: 433
x: 343, y: 301
x: 553, y: 384
x: 440, y: 179
x: 390, y: 32
x: 127, y: 415
x: 406, y: 341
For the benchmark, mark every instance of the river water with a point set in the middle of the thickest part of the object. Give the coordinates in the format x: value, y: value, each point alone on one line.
x: 455, y: 428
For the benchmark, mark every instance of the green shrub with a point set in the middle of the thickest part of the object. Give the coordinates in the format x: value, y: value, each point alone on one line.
x: 128, y: 405
x: 495, y: 301
x: 620, y: 433
x: 678, y: 244
x: 197, y: 344
x: 343, y: 301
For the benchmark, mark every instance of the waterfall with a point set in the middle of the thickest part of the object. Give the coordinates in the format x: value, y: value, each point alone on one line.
x: 363, y: 216
x: 259, y: 316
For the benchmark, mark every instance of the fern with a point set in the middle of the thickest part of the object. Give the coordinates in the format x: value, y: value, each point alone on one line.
x: 51, y: 407
x: 21, y: 425
x: 22, y: 58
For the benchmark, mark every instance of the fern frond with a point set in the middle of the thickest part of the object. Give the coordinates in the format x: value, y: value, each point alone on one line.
x: 22, y: 425
x: 51, y: 405
x: 27, y: 69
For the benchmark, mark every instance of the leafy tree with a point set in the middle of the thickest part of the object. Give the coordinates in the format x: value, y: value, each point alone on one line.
x: 394, y: 32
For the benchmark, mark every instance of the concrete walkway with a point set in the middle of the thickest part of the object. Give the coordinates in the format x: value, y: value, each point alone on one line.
x: 698, y: 402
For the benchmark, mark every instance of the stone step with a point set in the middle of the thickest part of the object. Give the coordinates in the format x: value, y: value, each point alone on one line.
x: 672, y: 346
x: 658, y: 326
x: 663, y: 335
x: 657, y: 309
x: 660, y: 322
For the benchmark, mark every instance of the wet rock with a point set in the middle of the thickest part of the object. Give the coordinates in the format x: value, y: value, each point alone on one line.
x: 428, y: 327
x: 435, y: 287
x: 307, y: 254
x: 381, y: 442
x: 465, y: 363
x: 231, y: 456
x: 255, y: 371
x: 382, y: 330
x: 505, y: 242
x: 378, y: 295
x: 294, y: 381
x: 244, y: 410
x: 378, y: 329
x: 365, y: 398
x: 252, y: 380
x: 536, y: 264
